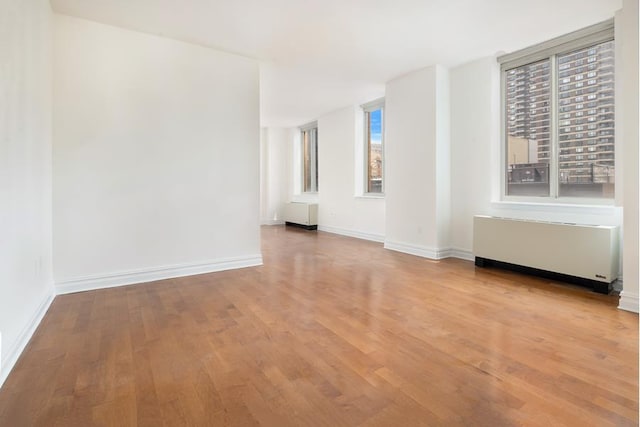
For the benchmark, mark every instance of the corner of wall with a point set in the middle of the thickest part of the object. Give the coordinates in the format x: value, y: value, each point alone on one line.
x: 17, y: 347
x: 443, y: 155
x: 627, y: 132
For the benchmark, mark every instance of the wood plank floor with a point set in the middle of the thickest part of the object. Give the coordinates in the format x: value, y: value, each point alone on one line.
x: 331, y: 331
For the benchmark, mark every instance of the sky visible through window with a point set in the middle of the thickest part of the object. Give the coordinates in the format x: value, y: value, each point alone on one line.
x: 376, y: 126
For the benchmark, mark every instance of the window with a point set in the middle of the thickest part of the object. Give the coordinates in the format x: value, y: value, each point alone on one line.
x: 310, y: 158
x: 374, y: 152
x: 537, y: 141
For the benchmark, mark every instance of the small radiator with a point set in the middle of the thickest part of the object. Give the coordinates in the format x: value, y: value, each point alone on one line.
x: 301, y: 214
x: 586, y: 252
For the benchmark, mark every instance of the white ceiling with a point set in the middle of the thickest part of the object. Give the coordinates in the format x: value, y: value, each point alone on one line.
x: 321, y: 55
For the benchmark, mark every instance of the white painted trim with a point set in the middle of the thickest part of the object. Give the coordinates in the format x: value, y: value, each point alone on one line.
x: 593, y: 34
x: 352, y: 233
x: 110, y: 280
x: 628, y: 301
x: 527, y: 206
x: 370, y: 196
x: 25, y: 336
x: 305, y: 198
x: 421, y: 251
x: 310, y: 125
x: 376, y: 104
x: 272, y: 222
x: 462, y: 254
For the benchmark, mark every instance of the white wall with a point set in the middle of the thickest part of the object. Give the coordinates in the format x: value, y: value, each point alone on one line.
x: 443, y: 158
x: 417, y: 163
x: 476, y: 163
x: 475, y: 142
x: 443, y: 161
x: 155, y: 158
x: 475, y: 110
x: 274, y: 181
x: 340, y: 209
x: 627, y: 136
x: 475, y: 146
x: 26, y: 285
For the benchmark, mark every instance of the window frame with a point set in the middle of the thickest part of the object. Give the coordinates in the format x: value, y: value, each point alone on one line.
x: 367, y: 109
x: 314, y: 161
x: 601, y: 32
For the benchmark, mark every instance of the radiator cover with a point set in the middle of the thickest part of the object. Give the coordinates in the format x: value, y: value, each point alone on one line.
x: 301, y: 214
x: 584, y: 251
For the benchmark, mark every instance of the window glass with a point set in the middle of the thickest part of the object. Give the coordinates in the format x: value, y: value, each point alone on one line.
x: 592, y: 176
x: 374, y: 151
x: 576, y: 90
x: 528, y: 135
x: 310, y: 160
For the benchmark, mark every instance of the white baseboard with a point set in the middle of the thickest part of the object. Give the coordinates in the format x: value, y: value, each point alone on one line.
x: 462, y: 254
x: 431, y: 253
x: 628, y: 301
x: 421, y: 251
x: 23, y: 339
x: 352, y: 233
x: 272, y: 222
x: 110, y: 280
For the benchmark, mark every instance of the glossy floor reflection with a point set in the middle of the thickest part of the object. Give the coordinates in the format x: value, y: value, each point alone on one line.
x: 331, y: 331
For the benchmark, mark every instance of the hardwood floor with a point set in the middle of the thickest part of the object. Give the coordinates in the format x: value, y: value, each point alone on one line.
x: 331, y: 331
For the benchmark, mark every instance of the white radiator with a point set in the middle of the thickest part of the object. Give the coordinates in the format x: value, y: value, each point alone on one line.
x: 583, y: 251
x: 299, y: 213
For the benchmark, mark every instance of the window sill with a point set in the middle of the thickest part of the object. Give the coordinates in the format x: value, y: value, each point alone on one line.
x: 369, y: 196
x: 305, y: 198
x: 584, y: 209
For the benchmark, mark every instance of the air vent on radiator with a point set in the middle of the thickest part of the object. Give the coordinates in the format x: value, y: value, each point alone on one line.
x: 587, y: 252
